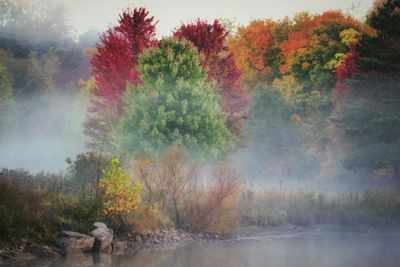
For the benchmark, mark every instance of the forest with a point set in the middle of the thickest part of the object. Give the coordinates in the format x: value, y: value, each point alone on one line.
x: 213, y: 128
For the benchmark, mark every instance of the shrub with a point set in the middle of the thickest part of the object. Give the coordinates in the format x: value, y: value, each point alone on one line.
x: 172, y: 183
x: 120, y: 196
x: 86, y: 169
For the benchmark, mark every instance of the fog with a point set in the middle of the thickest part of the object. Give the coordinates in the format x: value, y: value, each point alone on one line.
x: 273, y: 143
x: 304, y: 249
x: 50, y: 131
x: 46, y: 64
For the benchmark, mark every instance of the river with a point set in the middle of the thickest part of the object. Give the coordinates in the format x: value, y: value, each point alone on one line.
x: 295, y: 250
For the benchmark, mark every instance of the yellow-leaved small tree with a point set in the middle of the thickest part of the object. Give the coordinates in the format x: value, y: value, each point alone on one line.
x: 120, y: 195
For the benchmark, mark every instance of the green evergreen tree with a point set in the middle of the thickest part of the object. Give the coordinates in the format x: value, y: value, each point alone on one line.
x: 174, y: 105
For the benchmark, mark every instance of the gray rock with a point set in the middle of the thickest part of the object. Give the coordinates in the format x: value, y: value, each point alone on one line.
x: 139, y: 239
x: 72, y: 242
x: 176, y: 238
x: 103, y: 237
x: 100, y: 225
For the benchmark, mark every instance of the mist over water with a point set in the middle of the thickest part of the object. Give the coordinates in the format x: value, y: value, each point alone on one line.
x: 303, y: 249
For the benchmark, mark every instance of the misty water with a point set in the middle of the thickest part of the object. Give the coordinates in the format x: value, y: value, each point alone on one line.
x: 302, y: 249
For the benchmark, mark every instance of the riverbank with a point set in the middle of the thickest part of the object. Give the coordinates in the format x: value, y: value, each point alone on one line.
x: 129, y: 242
x: 28, y: 251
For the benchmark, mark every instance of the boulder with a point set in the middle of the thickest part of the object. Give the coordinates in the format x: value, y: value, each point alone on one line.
x: 139, y: 239
x: 100, y: 225
x: 103, y: 237
x: 73, y: 242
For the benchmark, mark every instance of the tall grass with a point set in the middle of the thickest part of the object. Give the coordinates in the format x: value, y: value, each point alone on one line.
x: 271, y: 207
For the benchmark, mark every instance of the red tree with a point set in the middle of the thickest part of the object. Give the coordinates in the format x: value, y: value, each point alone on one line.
x: 210, y: 40
x: 114, y: 65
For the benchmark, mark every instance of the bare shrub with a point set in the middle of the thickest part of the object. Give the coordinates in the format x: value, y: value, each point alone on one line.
x: 172, y: 183
x: 213, y: 207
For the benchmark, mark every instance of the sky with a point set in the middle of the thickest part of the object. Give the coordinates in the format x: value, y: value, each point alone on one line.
x: 99, y: 14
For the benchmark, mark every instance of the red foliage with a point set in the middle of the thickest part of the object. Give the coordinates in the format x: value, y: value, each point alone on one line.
x: 210, y: 40
x: 113, y: 66
x: 348, y: 67
x: 115, y: 63
x: 344, y: 71
x: 234, y: 99
x: 295, y: 41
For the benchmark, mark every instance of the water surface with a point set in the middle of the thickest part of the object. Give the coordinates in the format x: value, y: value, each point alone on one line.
x: 294, y: 250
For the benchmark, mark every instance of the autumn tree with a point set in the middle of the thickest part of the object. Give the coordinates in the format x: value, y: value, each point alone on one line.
x: 370, y: 115
x: 250, y: 46
x: 319, y: 54
x: 114, y: 66
x: 121, y: 196
x: 211, y: 42
x: 174, y: 105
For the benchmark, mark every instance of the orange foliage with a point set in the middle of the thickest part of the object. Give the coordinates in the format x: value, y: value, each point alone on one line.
x: 307, y: 24
x: 250, y: 46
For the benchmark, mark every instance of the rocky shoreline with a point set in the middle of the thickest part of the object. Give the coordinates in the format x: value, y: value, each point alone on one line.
x: 69, y: 243
x: 166, y: 237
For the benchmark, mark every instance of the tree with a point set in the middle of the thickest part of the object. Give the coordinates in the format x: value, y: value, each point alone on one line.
x: 5, y: 84
x: 121, y: 197
x: 277, y: 139
x: 369, y: 115
x: 33, y: 25
x: 250, y: 45
x: 370, y: 118
x: 174, y: 105
x: 381, y: 52
x: 7, y: 104
x: 210, y: 40
x: 115, y: 65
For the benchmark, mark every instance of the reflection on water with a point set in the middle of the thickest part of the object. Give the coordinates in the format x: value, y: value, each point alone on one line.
x: 323, y: 249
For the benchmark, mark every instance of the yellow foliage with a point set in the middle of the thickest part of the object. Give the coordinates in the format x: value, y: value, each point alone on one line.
x: 120, y: 195
x: 350, y: 37
x: 337, y: 61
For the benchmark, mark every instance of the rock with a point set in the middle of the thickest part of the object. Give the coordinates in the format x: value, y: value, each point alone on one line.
x: 100, y: 225
x: 103, y: 237
x: 5, y: 256
x: 43, y: 251
x: 72, y: 242
x: 139, y: 239
x: 176, y: 238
